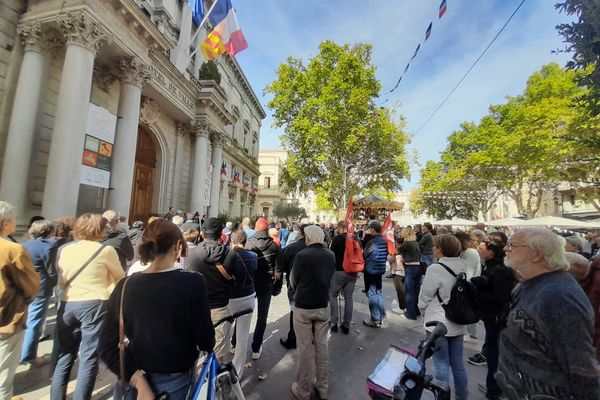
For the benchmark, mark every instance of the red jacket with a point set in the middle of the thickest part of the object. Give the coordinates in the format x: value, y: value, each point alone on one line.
x: 591, y: 287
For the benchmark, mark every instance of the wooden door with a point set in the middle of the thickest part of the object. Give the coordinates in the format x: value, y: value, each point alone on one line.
x: 143, y: 178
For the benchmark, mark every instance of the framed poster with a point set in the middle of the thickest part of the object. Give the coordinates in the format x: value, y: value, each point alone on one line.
x: 90, y: 158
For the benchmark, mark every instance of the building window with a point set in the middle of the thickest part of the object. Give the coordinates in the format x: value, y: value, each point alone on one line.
x: 267, y: 182
x: 265, y: 211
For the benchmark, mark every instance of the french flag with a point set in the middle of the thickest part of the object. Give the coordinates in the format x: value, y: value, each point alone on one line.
x: 442, y: 8
x: 226, y: 37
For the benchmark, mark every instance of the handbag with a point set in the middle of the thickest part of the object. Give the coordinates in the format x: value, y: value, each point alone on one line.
x: 122, y: 340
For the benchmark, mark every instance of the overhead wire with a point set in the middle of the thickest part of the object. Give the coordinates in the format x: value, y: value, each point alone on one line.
x: 470, y: 68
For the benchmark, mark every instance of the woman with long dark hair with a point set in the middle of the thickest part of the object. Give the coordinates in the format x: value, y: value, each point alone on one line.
x: 165, y: 317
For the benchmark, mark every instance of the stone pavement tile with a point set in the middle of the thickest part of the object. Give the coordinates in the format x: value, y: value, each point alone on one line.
x: 352, y: 357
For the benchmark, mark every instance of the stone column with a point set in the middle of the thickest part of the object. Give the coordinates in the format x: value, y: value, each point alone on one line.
x: 180, y: 131
x: 21, y: 131
x: 216, y: 161
x: 201, y: 129
x: 84, y: 38
x: 133, y: 76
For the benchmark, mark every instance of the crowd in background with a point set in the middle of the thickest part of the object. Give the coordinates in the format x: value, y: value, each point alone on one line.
x: 541, y: 322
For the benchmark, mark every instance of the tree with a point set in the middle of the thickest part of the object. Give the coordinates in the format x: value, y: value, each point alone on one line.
x: 520, y: 148
x: 582, y: 38
x: 331, y: 125
x: 289, y: 211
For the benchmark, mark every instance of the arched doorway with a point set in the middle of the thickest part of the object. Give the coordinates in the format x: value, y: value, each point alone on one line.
x: 143, y: 178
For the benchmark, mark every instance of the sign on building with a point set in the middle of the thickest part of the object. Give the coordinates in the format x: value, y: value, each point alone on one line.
x: 98, y: 147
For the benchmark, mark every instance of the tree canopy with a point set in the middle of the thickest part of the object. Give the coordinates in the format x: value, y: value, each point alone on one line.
x: 289, y: 211
x: 331, y: 123
x: 522, y: 148
x: 582, y: 38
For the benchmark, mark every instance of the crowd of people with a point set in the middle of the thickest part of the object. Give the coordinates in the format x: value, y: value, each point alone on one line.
x: 161, y: 284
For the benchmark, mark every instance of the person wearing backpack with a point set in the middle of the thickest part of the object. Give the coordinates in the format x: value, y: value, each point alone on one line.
x: 375, y: 255
x: 435, y: 293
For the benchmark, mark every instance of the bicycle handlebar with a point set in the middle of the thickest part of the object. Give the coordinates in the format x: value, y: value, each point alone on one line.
x: 439, y: 331
x: 230, y: 318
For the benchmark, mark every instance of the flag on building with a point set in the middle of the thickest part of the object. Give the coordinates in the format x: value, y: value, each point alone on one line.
x: 226, y: 36
x: 246, y: 182
x: 254, y: 186
x: 236, y: 176
x: 224, y: 169
x: 197, y: 8
x: 388, y: 234
x: 442, y: 8
x: 416, y: 52
x: 428, y: 32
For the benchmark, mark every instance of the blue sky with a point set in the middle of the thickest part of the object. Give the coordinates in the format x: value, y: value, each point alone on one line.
x: 276, y: 29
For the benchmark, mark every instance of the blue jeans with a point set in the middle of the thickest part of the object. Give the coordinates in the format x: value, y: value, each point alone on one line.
x: 36, y: 316
x: 412, y: 283
x: 176, y: 385
x: 450, y: 355
x: 77, y: 332
x: 375, y: 295
x: 427, y: 258
x: 263, y: 301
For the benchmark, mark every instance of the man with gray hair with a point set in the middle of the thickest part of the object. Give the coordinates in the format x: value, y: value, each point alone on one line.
x: 310, y: 279
x: 118, y: 239
x: 19, y: 284
x: 546, y: 348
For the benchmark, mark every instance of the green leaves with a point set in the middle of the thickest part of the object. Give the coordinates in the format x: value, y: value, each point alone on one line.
x: 522, y: 147
x: 327, y: 109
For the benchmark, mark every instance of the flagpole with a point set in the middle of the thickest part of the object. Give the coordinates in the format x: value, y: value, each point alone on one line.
x: 204, y: 19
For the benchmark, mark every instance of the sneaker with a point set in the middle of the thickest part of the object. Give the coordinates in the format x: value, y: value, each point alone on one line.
x: 256, y: 354
x: 371, y: 323
x: 477, y: 359
x: 345, y: 329
x: 334, y: 328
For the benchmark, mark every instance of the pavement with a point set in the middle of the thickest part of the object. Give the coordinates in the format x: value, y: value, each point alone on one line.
x: 352, y: 358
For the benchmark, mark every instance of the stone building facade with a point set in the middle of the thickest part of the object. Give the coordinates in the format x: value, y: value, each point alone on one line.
x: 94, y: 115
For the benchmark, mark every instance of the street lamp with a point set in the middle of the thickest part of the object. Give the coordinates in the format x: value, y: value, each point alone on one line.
x: 344, y: 168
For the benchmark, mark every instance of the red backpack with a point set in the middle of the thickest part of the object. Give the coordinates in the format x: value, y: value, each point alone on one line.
x: 353, y: 253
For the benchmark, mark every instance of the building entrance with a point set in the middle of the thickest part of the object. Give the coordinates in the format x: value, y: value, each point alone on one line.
x: 143, y: 178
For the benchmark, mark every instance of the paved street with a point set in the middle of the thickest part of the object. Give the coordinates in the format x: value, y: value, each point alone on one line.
x: 352, y: 357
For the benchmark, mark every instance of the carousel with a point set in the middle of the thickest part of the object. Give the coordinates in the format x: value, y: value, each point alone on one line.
x: 371, y: 204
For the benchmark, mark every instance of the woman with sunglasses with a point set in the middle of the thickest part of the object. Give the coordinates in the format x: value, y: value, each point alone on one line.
x: 494, y: 286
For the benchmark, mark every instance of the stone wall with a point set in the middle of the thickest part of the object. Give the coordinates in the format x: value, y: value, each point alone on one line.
x: 11, y: 54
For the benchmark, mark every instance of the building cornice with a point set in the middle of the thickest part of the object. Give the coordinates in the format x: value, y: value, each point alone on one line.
x: 237, y: 70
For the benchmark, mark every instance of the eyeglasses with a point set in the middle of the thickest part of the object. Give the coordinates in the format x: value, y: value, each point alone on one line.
x: 510, y: 245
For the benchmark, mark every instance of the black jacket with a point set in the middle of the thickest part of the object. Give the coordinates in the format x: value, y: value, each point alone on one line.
x: 311, y: 276
x: 203, y: 258
x: 426, y: 243
x: 338, y: 246
x: 268, y: 254
x: 243, y: 264
x: 119, y: 240
x: 494, y: 287
x: 288, y: 255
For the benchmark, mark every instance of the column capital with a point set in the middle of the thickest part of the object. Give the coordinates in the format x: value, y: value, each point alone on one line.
x: 217, y: 138
x: 36, y: 37
x: 81, y: 29
x: 202, y: 127
x: 104, y: 76
x: 134, y: 71
x: 181, y: 129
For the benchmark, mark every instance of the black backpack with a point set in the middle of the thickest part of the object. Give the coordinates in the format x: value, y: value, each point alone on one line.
x: 463, y: 306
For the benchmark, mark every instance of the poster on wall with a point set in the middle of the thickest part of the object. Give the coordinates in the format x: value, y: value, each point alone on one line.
x: 98, y: 147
